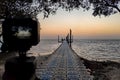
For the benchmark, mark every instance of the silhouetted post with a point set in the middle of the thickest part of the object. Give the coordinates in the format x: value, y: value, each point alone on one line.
x: 58, y: 39
x: 67, y: 38
x: 62, y: 40
x: 70, y: 37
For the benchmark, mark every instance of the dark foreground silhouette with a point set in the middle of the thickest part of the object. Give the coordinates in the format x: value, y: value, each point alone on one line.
x: 19, y: 34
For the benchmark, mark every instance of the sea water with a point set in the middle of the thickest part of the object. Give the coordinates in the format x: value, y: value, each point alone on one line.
x: 91, y: 49
x: 99, y: 50
x: 44, y: 47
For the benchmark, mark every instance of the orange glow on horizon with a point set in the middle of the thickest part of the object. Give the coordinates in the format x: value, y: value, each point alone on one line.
x: 81, y: 24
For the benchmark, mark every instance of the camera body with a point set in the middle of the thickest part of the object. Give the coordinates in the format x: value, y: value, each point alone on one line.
x: 19, y: 34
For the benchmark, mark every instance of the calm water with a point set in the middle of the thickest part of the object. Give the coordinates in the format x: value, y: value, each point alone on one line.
x: 98, y: 49
x: 45, y: 47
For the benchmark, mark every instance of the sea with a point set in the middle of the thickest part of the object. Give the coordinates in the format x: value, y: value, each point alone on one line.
x: 91, y: 49
x: 44, y: 47
x: 98, y: 49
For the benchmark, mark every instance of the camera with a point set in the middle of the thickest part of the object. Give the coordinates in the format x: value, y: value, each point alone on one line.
x: 19, y: 34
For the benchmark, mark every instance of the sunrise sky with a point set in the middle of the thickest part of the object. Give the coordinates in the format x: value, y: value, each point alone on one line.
x: 83, y: 24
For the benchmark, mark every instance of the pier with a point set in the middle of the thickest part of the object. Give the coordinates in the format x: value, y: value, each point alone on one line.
x: 63, y: 64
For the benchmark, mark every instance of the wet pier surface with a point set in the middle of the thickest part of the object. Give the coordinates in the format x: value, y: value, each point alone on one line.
x: 64, y: 64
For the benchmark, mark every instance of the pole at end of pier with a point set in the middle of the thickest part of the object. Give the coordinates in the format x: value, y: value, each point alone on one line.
x: 70, y: 37
x: 58, y: 39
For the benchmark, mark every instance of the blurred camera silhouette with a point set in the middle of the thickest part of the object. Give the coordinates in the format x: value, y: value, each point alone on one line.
x: 19, y: 34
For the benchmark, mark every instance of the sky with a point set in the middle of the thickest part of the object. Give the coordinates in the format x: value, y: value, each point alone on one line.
x: 83, y: 24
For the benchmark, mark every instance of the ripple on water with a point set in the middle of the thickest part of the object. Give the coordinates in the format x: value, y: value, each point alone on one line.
x: 101, y: 50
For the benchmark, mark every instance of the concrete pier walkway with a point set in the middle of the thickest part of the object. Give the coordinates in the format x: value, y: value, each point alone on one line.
x: 64, y: 64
